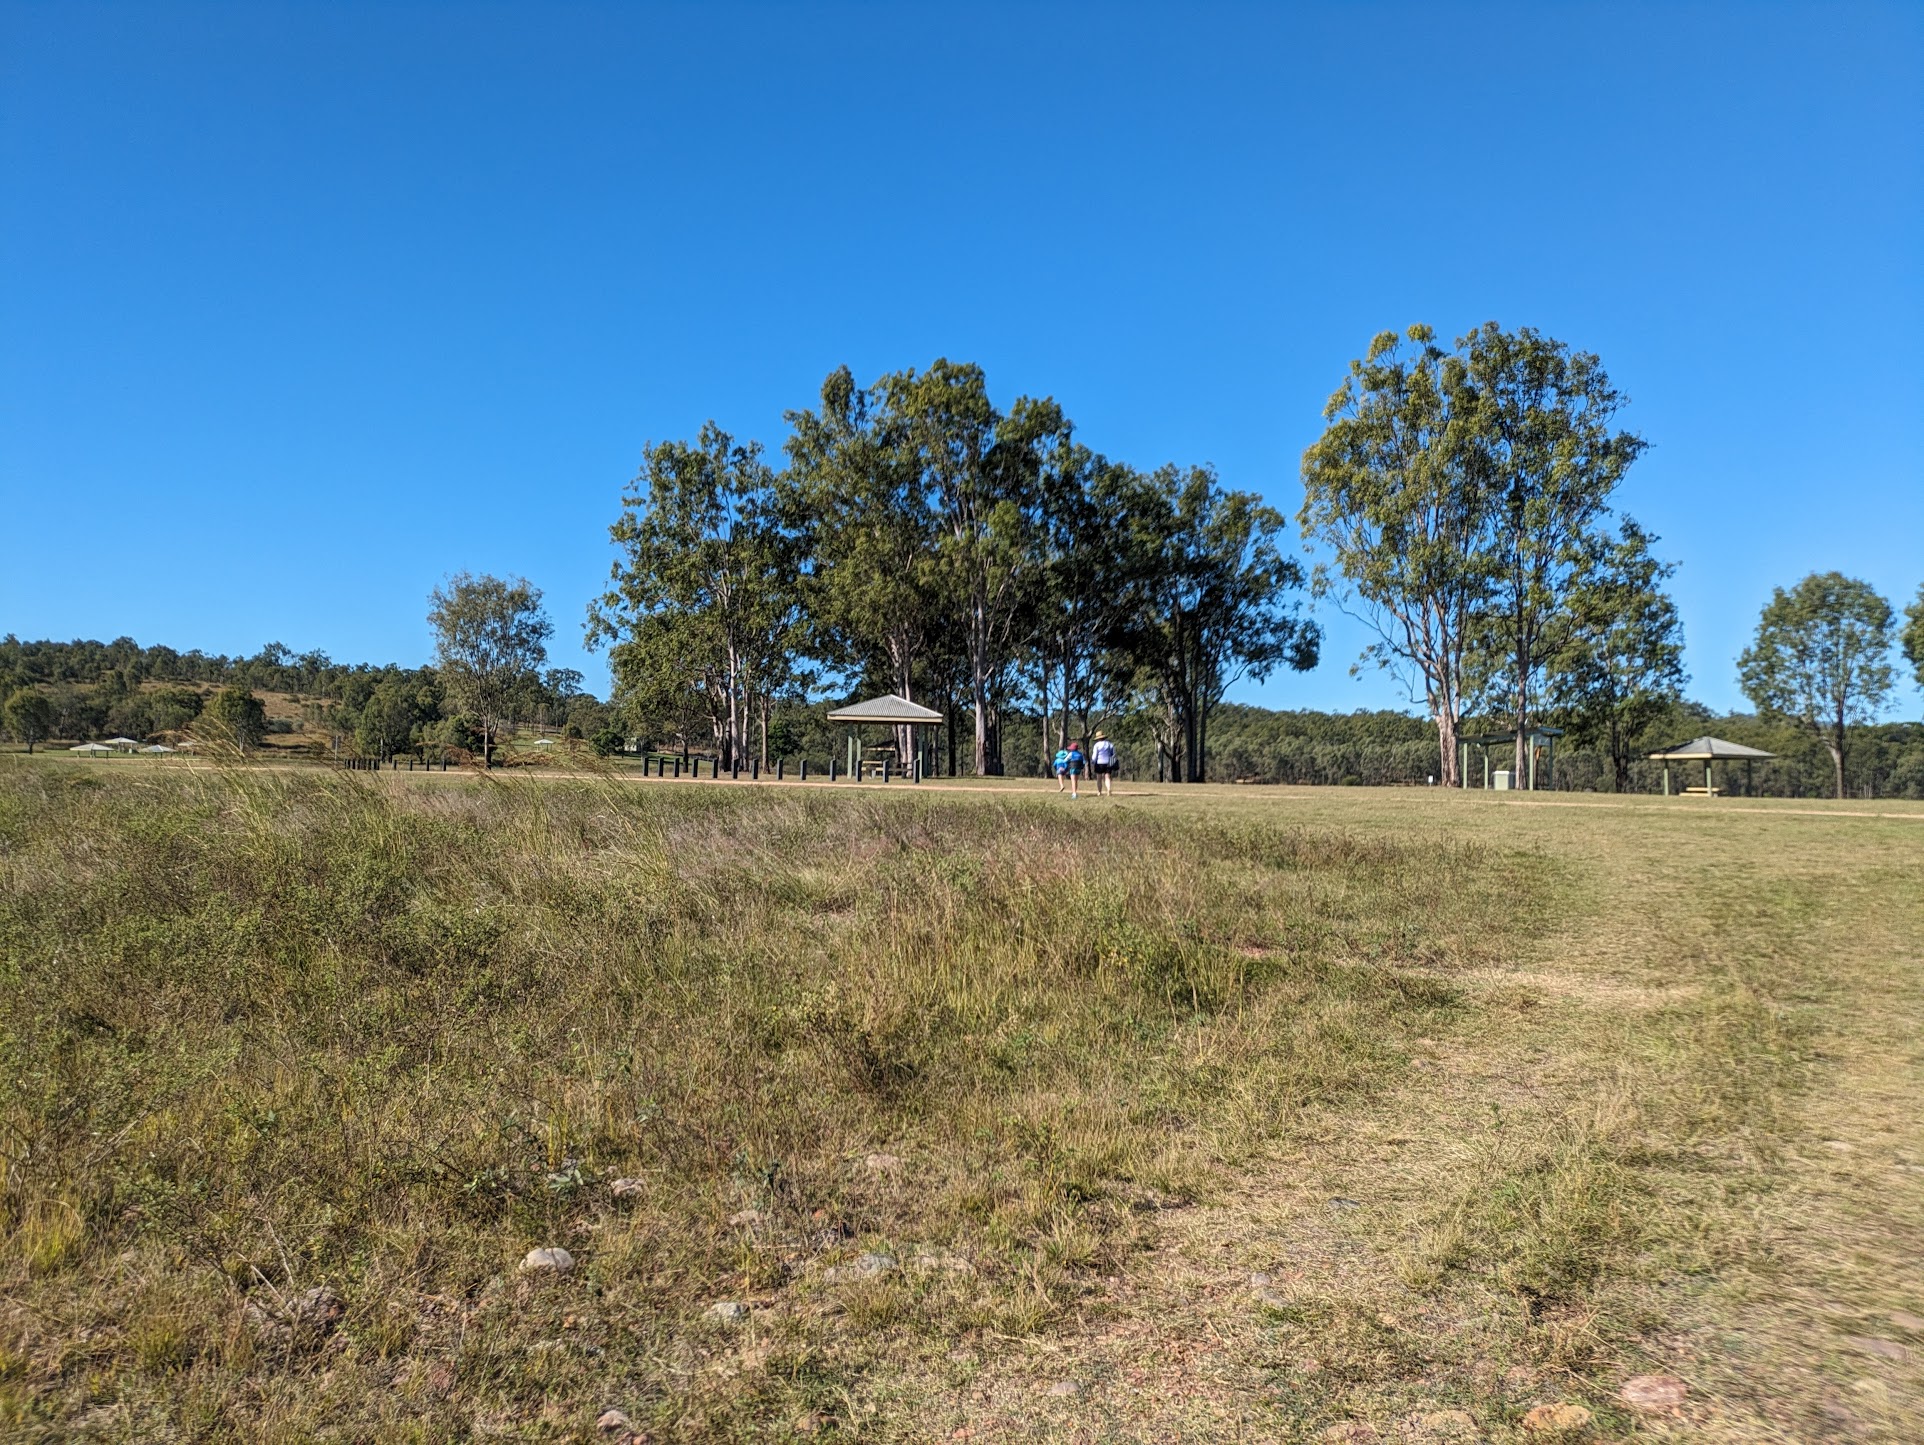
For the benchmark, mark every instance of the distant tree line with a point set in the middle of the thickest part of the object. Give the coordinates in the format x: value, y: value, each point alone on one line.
x: 916, y: 538
x: 86, y: 689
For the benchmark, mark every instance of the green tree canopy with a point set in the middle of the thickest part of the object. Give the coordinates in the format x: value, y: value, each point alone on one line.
x: 28, y: 716
x: 237, y: 716
x: 1212, y: 600
x: 1913, y: 636
x: 705, y: 603
x: 1390, y: 492
x: 1542, y: 442
x: 490, y: 635
x: 1620, y: 663
x: 1821, y: 658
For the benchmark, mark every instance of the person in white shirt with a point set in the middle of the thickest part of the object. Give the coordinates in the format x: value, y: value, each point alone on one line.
x: 1102, y: 762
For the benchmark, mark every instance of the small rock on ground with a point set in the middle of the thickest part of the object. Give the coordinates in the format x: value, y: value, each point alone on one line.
x: 1653, y: 1392
x: 1339, y: 1202
x: 613, y: 1421
x: 728, y: 1311
x: 874, y: 1263
x: 746, y: 1218
x: 883, y: 1163
x: 627, y: 1188
x: 319, y: 1308
x: 1560, y: 1417
x: 1062, y: 1389
x: 554, y: 1260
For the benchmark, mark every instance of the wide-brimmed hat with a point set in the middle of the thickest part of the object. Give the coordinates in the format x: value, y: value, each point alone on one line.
x: 1102, y: 737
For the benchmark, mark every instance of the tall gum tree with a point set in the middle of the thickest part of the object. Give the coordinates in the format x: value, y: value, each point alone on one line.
x: 1391, y: 492
x: 1821, y: 658
x: 856, y: 498
x: 1542, y: 444
x: 703, y: 602
x: 490, y: 634
x: 980, y: 470
x: 1620, y: 664
x: 1212, y: 600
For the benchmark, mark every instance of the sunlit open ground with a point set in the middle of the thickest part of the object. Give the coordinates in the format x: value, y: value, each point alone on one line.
x: 1194, y: 1114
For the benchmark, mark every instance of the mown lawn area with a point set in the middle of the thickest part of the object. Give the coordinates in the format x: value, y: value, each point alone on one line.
x: 1191, y: 1115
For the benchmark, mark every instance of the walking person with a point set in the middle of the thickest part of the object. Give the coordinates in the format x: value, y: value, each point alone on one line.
x: 1102, y: 760
x: 1076, y: 763
x: 1061, y: 768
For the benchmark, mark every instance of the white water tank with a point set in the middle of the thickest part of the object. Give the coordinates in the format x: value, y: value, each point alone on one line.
x: 1500, y: 780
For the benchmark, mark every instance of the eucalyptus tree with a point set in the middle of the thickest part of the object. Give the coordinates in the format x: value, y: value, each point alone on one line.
x: 704, y: 604
x: 859, y: 505
x: 1620, y: 665
x: 1821, y: 658
x: 980, y: 470
x: 1079, y: 591
x: 490, y: 635
x: 1390, y: 490
x: 1541, y: 439
x: 1912, y: 638
x: 1212, y: 600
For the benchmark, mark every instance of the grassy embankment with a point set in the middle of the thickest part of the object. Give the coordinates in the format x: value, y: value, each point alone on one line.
x: 1507, y: 1102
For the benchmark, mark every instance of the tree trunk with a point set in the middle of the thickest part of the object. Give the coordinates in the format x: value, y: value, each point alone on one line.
x: 1446, y: 744
x: 1836, y: 743
x: 1619, y: 757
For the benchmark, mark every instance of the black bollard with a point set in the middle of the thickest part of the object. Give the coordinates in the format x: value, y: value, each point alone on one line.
x: 678, y: 767
x: 804, y: 770
x: 755, y: 770
x: 778, y: 770
x: 831, y: 770
x: 885, y: 770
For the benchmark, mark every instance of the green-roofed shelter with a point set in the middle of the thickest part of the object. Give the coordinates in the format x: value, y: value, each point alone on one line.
x: 1709, y: 751
x: 891, y: 711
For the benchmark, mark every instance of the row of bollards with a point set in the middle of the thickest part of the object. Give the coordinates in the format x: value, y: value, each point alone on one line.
x: 664, y: 765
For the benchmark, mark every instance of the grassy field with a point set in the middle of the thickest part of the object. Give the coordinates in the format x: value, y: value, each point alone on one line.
x: 1194, y: 1115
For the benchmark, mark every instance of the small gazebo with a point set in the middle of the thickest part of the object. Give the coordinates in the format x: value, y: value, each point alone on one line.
x: 1709, y: 751
x: 888, y: 710
x: 1539, y: 742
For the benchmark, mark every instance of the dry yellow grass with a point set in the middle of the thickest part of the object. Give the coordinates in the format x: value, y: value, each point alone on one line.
x: 1202, y: 1114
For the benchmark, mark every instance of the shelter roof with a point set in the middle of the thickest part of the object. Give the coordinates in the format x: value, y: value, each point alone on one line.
x: 1707, y: 747
x: 886, y: 709
x: 1491, y: 740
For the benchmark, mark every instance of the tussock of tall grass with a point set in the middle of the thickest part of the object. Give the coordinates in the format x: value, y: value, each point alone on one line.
x: 262, y: 1034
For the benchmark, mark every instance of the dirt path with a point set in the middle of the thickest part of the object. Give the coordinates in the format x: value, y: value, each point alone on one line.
x: 1777, y: 1267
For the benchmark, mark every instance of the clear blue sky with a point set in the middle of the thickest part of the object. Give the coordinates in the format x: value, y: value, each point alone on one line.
x: 303, y: 306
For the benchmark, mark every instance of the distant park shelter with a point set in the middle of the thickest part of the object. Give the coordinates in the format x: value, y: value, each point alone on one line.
x: 888, y: 710
x: 1543, y: 742
x: 1710, y: 752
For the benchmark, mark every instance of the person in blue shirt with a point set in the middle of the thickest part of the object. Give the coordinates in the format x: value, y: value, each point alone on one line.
x: 1074, y: 765
x: 1061, y: 766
